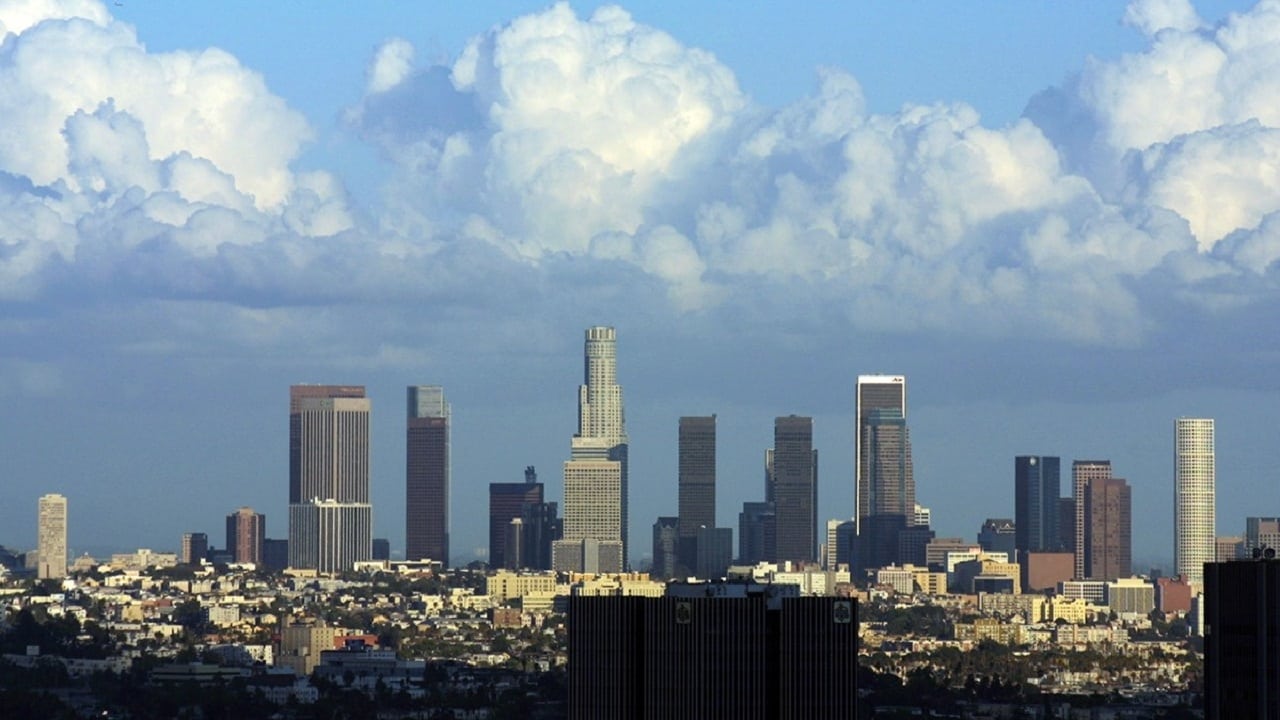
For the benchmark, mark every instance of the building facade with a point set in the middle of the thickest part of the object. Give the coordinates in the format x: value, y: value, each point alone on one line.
x: 696, y: 484
x: 1193, y: 497
x: 427, y: 474
x: 509, y: 502
x: 1108, y: 519
x: 793, y: 489
x: 1037, y: 486
x: 874, y: 392
x: 1242, y: 640
x: 195, y: 547
x: 330, y: 515
x: 595, y: 527
x: 246, y: 532
x: 51, y: 537
x: 1082, y: 472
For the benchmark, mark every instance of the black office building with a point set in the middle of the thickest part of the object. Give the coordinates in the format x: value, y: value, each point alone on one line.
x: 1037, y: 491
x: 712, y: 651
x: 1242, y: 639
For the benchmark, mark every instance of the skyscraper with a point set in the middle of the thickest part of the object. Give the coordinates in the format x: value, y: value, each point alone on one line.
x: 246, y: 531
x: 793, y: 484
x: 195, y: 547
x: 1260, y: 531
x: 330, y: 518
x: 1036, y: 492
x: 1242, y: 640
x: 427, y: 474
x: 51, y: 537
x: 757, y: 533
x: 595, y: 476
x: 697, y: 485
x: 514, y: 501
x: 875, y: 392
x: 1193, y: 497
x: 1107, y: 543
x: 1082, y: 472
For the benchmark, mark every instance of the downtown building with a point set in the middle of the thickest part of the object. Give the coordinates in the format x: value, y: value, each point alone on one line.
x: 522, y: 525
x: 51, y: 537
x: 595, y: 528
x: 1037, y: 505
x: 889, y: 492
x: 697, y: 488
x: 791, y: 485
x: 874, y: 393
x: 1194, y: 543
x: 1242, y: 639
x: 427, y: 475
x: 330, y: 516
x: 718, y: 650
x: 246, y: 533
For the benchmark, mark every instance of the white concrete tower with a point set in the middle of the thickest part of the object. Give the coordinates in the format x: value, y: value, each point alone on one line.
x: 51, y: 540
x: 1193, y: 497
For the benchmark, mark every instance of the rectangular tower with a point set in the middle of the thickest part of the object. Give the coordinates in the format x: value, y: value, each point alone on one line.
x: 1108, y: 553
x: 330, y: 517
x: 875, y: 392
x: 1242, y: 640
x: 794, y: 482
x: 697, y: 485
x: 427, y: 474
x: 51, y: 541
x: 1193, y: 497
x: 508, y: 502
x: 246, y: 531
x: 1037, y: 484
x: 1082, y: 472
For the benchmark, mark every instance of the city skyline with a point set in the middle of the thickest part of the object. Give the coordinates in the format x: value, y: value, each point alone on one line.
x: 1060, y: 250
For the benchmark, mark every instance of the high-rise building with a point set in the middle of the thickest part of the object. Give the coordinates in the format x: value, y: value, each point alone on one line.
x: 749, y: 651
x: 195, y: 547
x: 697, y: 485
x: 1193, y: 497
x: 666, y: 543
x: 1260, y: 532
x: 1083, y: 471
x: 246, y: 531
x: 330, y: 517
x: 508, y: 502
x: 1036, y: 492
x: 886, y: 465
x: 875, y: 392
x: 793, y: 484
x: 757, y: 533
x: 1242, y: 639
x: 998, y: 535
x: 595, y: 526
x: 427, y: 475
x: 51, y: 537
x: 1108, y: 519
x: 381, y: 549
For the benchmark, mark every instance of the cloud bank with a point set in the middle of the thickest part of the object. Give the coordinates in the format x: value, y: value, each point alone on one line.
x: 561, y: 155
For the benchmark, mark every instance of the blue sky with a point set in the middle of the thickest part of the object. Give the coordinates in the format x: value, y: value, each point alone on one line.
x: 1059, y: 221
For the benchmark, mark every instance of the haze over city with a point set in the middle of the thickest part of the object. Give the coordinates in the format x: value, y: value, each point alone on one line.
x: 1059, y: 223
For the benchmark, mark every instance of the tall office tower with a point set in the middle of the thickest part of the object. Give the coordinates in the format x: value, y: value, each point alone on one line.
x: 1259, y: 532
x: 381, y: 549
x: 666, y: 544
x: 757, y: 533
x: 1036, y: 487
x: 195, y: 547
x: 1193, y: 497
x: 508, y: 502
x: 427, y: 475
x: 889, y: 484
x: 330, y: 518
x: 1108, y: 538
x: 246, y: 531
x: 1083, y: 471
x: 793, y: 485
x: 749, y: 652
x: 875, y: 392
x: 697, y: 485
x: 1242, y: 639
x: 51, y: 537
x: 595, y: 476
